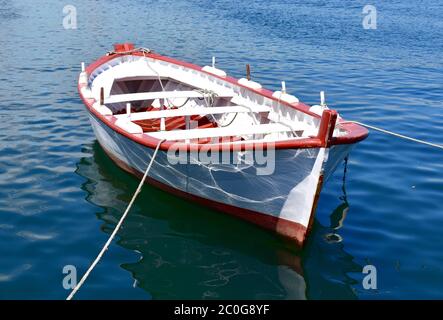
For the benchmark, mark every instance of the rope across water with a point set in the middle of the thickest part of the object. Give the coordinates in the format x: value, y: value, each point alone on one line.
x: 117, y: 227
x: 439, y: 146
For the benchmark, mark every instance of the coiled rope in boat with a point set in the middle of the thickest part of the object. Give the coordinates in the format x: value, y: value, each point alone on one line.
x: 140, y: 49
x: 435, y: 145
x: 117, y: 227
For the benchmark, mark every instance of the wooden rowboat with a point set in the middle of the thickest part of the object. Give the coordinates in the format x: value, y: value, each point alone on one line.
x: 225, y: 143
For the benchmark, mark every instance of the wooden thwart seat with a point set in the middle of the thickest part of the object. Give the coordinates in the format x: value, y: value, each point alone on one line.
x: 137, y: 116
x: 157, y: 95
x: 220, y: 132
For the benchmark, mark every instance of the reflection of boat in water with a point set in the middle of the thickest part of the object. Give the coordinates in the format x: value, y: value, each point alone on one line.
x: 210, y: 257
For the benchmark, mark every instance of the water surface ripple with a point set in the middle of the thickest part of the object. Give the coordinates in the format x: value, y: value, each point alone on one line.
x: 60, y: 196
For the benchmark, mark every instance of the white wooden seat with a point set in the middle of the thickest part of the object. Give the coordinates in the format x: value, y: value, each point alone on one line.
x: 191, y: 112
x: 157, y: 95
x: 220, y: 132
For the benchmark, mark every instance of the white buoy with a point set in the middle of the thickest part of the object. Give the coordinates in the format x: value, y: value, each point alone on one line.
x: 212, y: 69
x: 283, y: 87
x: 322, y: 98
x: 128, y: 109
x: 282, y: 95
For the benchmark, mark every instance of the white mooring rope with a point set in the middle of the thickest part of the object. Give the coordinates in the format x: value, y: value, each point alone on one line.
x: 439, y: 146
x: 117, y: 227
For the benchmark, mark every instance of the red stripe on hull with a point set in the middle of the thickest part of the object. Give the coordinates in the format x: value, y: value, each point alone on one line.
x: 288, y: 229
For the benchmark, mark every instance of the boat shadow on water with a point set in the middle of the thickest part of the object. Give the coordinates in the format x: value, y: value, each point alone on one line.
x: 188, y: 251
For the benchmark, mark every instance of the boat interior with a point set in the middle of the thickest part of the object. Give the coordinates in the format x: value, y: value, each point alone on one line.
x: 204, y: 112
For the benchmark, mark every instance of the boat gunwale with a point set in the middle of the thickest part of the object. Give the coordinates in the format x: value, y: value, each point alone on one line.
x: 355, y: 132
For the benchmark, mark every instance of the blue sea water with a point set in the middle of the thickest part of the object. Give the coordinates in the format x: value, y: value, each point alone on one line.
x: 60, y: 196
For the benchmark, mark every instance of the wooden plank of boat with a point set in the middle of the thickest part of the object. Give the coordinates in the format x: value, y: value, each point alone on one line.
x: 137, y: 116
x: 128, y: 97
x: 221, y: 132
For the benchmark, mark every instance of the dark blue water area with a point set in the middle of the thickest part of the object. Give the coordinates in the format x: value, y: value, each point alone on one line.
x: 60, y: 196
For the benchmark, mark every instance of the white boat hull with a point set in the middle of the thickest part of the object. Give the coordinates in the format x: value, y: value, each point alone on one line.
x: 284, y: 200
